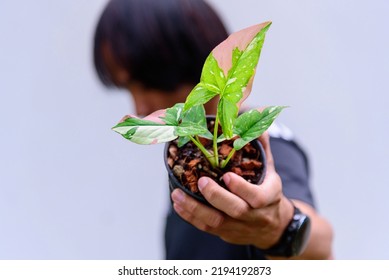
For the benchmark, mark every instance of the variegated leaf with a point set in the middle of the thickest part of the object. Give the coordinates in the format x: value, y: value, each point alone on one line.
x: 146, y: 132
x: 252, y: 124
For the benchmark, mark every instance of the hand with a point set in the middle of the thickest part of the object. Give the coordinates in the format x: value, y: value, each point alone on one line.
x: 243, y: 214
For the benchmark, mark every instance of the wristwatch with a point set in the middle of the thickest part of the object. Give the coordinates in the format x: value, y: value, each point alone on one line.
x: 295, y: 237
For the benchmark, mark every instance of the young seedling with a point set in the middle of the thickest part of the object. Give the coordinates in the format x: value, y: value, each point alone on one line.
x: 227, y: 73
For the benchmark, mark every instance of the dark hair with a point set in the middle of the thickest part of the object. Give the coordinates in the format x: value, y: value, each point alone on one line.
x: 161, y: 44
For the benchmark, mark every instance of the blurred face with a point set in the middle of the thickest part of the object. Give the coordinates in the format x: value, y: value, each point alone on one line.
x: 149, y: 100
x: 146, y: 100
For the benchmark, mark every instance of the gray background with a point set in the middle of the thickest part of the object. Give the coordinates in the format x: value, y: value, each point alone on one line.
x: 70, y: 188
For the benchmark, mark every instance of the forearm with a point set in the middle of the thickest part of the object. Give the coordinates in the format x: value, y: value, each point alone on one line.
x: 319, y: 244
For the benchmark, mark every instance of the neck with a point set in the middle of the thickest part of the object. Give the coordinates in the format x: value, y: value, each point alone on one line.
x: 211, y: 106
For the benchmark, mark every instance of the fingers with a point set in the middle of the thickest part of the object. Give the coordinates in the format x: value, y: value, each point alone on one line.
x: 256, y: 196
x: 223, y: 199
x: 209, y: 219
x: 201, y: 216
x: 265, y: 141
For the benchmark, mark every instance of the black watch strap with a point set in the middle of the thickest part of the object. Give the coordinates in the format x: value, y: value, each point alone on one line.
x: 295, y: 237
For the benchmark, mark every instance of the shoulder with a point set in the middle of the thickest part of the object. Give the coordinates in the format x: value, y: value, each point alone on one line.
x: 278, y: 130
x: 285, y: 146
x: 291, y: 163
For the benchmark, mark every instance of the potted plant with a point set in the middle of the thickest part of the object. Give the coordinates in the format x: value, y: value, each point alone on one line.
x: 198, y: 145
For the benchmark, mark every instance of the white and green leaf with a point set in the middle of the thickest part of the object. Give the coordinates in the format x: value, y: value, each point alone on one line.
x: 145, y: 132
x: 175, y: 124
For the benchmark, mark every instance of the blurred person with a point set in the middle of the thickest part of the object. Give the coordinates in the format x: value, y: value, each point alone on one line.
x: 156, y: 50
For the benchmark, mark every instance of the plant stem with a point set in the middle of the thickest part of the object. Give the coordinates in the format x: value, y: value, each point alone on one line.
x: 230, y: 155
x: 215, y: 130
x: 207, y: 154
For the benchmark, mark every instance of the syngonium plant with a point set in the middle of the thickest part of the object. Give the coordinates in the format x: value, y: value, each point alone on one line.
x: 228, y: 73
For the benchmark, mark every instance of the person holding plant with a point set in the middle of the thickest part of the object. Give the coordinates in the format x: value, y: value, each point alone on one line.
x: 156, y: 50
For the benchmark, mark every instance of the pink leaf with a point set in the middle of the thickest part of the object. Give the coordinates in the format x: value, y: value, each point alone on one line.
x: 154, y: 117
x: 240, y: 39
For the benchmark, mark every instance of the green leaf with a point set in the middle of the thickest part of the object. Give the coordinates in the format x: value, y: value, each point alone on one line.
x: 240, y: 143
x: 145, y: 132
x: 212, y: 76
x: 173, y: 114
x: 193, y: 122
x: 199, y: 96
x: 250, y: 125
x: 212, y: 82
x: 236, y: 54
x: 182, y: 141
x: 231, y: 95
x: 222, y: 138
x: 227, y: 113
x: 196, y: 116
x: 190, y: 129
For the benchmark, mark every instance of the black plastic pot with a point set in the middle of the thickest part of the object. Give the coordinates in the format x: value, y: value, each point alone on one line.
x: 175, y: 183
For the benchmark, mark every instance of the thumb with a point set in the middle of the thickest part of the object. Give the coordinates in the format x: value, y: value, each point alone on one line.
x: 265, y: 141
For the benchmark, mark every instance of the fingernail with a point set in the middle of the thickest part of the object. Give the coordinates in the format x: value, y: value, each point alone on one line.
x: 203, y: 181
x: 226, y: 179
x: 178, y: 196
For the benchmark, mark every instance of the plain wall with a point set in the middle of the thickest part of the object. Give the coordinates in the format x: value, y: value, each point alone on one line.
x: 70, y: 188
